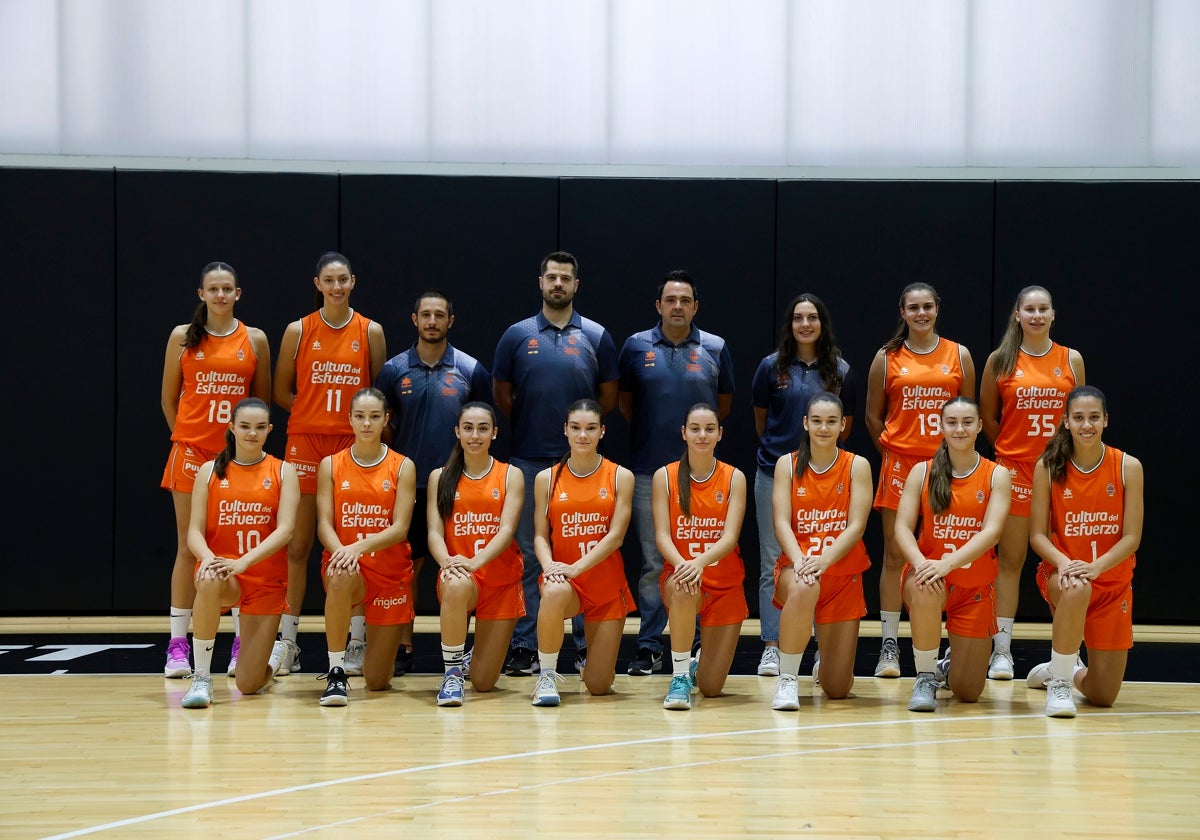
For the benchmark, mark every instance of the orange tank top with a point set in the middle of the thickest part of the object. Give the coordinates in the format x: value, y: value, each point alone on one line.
x: 475, y: 520
x: 217, y: 373
x: 917, y: 385
x: 821, y: 512
x: 693, y: 535
x: 242, y: 511
x: 948, y: 531
x: 1087, y: 511
x: 580, y: 510
x: 331, y: 365
x: 364, y: 498
x: 1033, y: 398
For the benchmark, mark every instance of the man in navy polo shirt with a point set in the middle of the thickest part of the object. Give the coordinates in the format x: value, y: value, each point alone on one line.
x: 664, y: 371
x: 426, y: 386
x: 542, y: 365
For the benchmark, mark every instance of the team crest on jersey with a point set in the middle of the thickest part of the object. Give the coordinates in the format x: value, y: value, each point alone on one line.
x: 496, y: 493
x: 448, y: 378
x: 945, y: 370
x: 406, y: 382
x: 979, y: 497
x: 603, y: 492
x: 1067, y: 494
x: 316, y: 345
x: 562, y: 496
x: 649, y: 359
x: 1110, y: 489
x: 387, y: 485
x: 801, y: 491
x: 356, y: 345
x: 267, y: 483
x: 841, y: 488
x: 531, y: 347
x: 345, y: 485
x: 1125, y: 605
x: 241, y: 354
x: 904, y: 370
x: 1058, y: 371
x: 720, y: 497
x: 1018, y: 374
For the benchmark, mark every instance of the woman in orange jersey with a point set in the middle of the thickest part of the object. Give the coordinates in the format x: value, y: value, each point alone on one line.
x: 211, y: 364
x: 583, y: 505
x: 699, y: 503
x: 951, y: 513
x: 324, y: 359
x: 364, y: 506
x: 472, y: 514
x: 243, y: 511
x: 1085, y: 524
x: 1022, y: 395
x: 821, y: 501
x: 909, y: 380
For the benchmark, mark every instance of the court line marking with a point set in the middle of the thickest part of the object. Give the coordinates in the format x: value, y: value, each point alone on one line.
x: 698, y: 736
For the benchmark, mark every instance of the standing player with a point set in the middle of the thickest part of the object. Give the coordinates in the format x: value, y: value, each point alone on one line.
x: 1086, y: 525
x: 426, y: 387
x: 542, y: 365
x: 473, y: 513
x: 211, y: 364
x: 1022, y: 395
x: 807, y: 362
x: 951, y: 512
x: 243, y: 509
x: 910, y: 379
x: 583, y: 507
x: 699, y: 503
x: 364, y: 506
x: 822, y: 498
x: 663, y: 369
x: 324, y: 358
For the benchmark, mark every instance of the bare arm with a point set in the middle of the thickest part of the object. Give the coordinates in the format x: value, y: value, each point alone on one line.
x: 781, y: 511
x: 876, y: 398
x: 724, y: 405
x: 760, y: 421
x: 378, y: 346
x: 502, y: 393
x: 607, y: 396
x: 989, y: 401
x: 660, y: 501
x: 861, y: 498
x: 172, y: 378
x: 625, y: 404
x: 967, y: 389
x: 284, y: 385
x: 262, y: 370
x: 510, y: 514
x: 1076, y: 361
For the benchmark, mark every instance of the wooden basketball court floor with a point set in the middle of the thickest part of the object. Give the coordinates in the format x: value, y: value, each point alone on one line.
x: 114, y: 755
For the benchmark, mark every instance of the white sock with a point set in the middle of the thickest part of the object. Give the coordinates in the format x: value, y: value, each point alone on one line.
x: 1062, y: 665
x: 337, y: 659
x: 202, y: 651
x: 548, y: 661
x: 789, y: 663
x: 681, y: 661
x: 289, y: 627
x: 358, y: 628
x: 925, y: 660
x: 181, y: 620
x: 1002, y: 639
x: 890, y: 623
x: 236, y: 612
x: 452, y: 656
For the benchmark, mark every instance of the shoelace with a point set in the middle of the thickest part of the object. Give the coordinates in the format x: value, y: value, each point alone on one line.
x: 680, y: 684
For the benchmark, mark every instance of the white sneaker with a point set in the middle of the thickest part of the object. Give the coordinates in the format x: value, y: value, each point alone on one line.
x: 787, y: 695
x: 889, y: 660
x: 1001, y: 666
x: 941, y: 670
x: 545, y: 693
x: 199, y: 695
x: 356, y: 652
x: 768, y: 666
x: 1039, y: 675
x: 1060, y: 701
x: 817, y: 670
x: 924, y: 693
x: 289, y: 657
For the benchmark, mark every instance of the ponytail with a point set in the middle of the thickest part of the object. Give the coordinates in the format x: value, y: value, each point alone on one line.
x: 940, y: 472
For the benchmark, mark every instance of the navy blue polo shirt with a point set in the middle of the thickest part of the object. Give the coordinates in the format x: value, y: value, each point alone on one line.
x: 786, y: 401
x: 665, y: 380
x: 425, y: 401
x: 549, y: 369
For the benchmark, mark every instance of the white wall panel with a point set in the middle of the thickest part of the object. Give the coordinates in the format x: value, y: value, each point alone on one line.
x: 698, y: 82
x: 1175, y: 86
x: 878, y: 83
x: 29, y: 77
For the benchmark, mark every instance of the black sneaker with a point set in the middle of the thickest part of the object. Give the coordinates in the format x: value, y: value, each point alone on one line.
x: 404, y: 661
x: 645, y: 663
x: 336, y: 688
x: 522, y: 662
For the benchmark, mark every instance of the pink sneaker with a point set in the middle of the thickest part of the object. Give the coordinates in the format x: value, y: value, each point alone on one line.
x: 179, y: 654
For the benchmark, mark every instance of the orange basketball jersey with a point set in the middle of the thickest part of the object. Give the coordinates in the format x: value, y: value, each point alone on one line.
x: 331, y: 365
x: 475, y: 520
x: 363, y: 500
x: 217, y: 373
x: 821, y: 511
x: 693, y: 535
x: 242, y: 511
x: 1087, y: 511
x: 580, y: 511
x: 917, y: 385
x: 948, y: 531
x: 1033, y: 398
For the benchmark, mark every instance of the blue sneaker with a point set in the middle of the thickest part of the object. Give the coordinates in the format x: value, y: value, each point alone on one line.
x: 679, y: 695
x: 692, y: 669
x: 451, y: 691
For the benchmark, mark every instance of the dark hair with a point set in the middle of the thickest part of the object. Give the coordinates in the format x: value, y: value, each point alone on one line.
x: 585, y: 404
x: 369, y: 391
x: 678, y: 276
x: 827, y: 349
x: 329, y: 258
x: 560, y: 257
x: 196, y: 331
x: 1061, y: 446
x: 940, y: 469
x: 453, y: 469
x: 901, y: 334
x: 221, y: 462
x: 1010, y: 342
x: 804, y: 450
x: 685, y: 468
x: 433, y: 293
